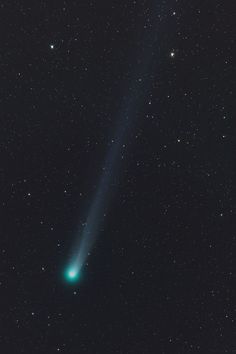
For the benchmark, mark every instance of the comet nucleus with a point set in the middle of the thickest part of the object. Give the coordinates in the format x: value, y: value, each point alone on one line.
x: 72, y: 274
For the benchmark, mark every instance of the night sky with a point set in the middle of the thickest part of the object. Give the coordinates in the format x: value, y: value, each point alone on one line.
x: 156, y: 80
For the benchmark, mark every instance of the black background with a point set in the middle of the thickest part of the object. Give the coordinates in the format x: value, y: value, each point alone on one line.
x: 161, y: 277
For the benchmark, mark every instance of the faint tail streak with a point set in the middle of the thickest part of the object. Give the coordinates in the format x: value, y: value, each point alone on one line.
x: 134, y: 98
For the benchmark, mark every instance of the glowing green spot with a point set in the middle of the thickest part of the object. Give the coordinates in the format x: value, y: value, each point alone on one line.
x: 72, y: 274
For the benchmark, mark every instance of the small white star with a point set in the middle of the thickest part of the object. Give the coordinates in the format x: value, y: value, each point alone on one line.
x: 172, y: 54
x: 52, y: 46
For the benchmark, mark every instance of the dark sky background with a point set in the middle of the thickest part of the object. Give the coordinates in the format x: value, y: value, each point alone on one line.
x: 161, y: 277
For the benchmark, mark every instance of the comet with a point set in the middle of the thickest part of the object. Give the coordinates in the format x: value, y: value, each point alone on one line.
x: 131, y: 102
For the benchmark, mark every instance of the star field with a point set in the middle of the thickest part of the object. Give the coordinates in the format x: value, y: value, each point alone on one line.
x: 161, y: 276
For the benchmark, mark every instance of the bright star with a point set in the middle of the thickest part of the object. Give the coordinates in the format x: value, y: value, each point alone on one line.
x: 52, y: 46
